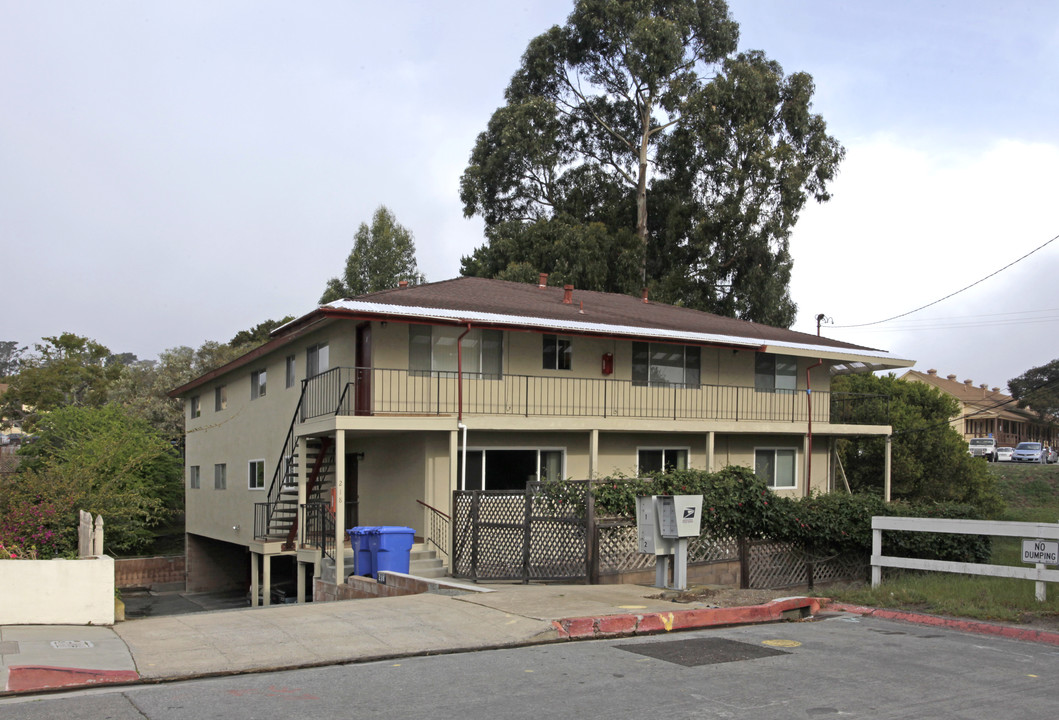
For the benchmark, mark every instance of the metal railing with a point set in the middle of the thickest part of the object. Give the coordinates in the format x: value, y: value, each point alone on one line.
x: 369, y: 391
x: 318, y: 523
x: 439, y: 529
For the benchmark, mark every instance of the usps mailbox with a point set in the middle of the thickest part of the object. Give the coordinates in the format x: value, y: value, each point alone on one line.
x: 663, y: 524
x: 680, y: 515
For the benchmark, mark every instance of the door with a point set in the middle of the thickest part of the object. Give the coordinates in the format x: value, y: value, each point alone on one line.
x: 352, y: 490
x: 363, y: 370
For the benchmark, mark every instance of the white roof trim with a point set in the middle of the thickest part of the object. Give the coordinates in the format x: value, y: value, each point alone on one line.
x: 856, y: 358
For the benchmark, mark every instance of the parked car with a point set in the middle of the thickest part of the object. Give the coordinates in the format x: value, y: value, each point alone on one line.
x: 1032, y: 452
x: 983, y: 447
x: 1003, y: 454
x: 1051, y: 455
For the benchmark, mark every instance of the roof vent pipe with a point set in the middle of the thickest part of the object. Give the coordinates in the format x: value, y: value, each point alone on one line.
x: 568, y: 294
x: 543, y: 280
x: 644, y: 293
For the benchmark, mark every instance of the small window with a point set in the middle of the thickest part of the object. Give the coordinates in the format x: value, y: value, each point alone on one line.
x: 220, y: 398
x: 256, y: 475
x: 316, y: 360
x: 776, y: 466
x: 196, y: 406
x: 661, y: 460
x: 665, y: 365
x: 290, y: 371
x: 220, y: 477
x: 257, y: 384
x: 438, y: 349
x: 775, y: 373
x: 193, y: 477
x: 557, y: 352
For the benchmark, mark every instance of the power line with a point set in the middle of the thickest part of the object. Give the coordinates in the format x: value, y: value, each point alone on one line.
x: 952, y: 294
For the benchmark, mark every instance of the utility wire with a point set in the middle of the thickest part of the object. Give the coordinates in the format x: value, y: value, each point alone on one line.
x: 952, y: 294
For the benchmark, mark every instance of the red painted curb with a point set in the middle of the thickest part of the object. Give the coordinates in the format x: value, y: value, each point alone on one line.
x: 973, y: 626
x: 618, y: 625
x: 28, y: 678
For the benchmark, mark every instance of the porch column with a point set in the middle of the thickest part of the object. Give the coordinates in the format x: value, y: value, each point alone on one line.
x: 454, y: 456
x: 593, y: 453
x: 253, y: 579
x: 301, y: 447
x: 266, y: 589
x: 710, y: 438
x: 886, y: 468
x: 340, y: 507
x: 301, y: 582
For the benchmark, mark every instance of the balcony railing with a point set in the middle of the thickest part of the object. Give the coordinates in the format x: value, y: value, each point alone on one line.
x: 370, y: 391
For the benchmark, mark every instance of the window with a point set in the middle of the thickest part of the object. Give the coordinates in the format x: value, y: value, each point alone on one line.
x: 193, y: 477
x: 500, y: 469
x: 652, y: 460
x: 775, y: 466
x: 316, y: 360
x: 220, y: 398
x: 665, y: 365
x: 220, y: 477
x: 775, y: 373
x: 290, y: 371
x: 257, y: 384
x: 557, y: 352
x: 196, y: 406
x: 256, y: 475
x: 435, y: 349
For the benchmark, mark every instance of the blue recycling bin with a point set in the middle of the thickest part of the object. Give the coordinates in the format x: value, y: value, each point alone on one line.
x: 391, y: 548
x: 363, y: 555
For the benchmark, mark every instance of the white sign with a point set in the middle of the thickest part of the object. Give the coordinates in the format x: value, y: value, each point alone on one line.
x: 1040, y: 551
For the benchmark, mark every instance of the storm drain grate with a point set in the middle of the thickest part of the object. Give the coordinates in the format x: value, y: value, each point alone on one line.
x: 9, y: 647
x: 702, y: 651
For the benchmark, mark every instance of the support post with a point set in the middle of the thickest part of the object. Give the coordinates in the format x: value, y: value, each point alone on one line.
x: 266, y: 585
x: 593, y: 453
x: 876, y: 551
x: 253, y: 580
x: 886, y: 468
x: 340, y: 507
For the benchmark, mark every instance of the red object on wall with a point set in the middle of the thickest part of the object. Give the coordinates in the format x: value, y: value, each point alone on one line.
x: 608, y: 363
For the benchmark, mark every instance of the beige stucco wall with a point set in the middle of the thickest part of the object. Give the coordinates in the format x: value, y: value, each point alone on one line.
x: 57, y: 592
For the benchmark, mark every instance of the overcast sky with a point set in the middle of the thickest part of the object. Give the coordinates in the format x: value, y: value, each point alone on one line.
x: 174, y: 172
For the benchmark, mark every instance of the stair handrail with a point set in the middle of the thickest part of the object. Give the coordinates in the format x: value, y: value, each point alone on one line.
x: 321, y: 466
x: 438, y: 528
x: 275, y: 489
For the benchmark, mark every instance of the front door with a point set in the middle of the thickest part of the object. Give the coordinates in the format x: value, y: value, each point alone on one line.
x: 352, y: 490
x: 363, y: 370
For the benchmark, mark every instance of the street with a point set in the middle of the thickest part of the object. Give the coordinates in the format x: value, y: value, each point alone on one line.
x: 841, y: 665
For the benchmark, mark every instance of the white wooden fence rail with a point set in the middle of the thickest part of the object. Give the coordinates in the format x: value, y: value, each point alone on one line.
x: 1027, y: 530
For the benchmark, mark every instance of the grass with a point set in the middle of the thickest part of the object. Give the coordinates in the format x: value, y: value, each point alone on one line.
x: 1032, y: 495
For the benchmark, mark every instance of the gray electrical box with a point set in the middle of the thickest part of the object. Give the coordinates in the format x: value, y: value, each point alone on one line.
x: 679, y: 516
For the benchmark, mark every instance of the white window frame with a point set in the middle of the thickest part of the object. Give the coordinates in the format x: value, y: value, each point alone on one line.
x: 690, y: 372
x: 794, y: 465
x: 774, y: 382
x: 220, y: 476
x: 563, y: 351
x: 492, y: 448
x: 292, y: 361
x: 220, y: 398
x: 195, y: 406
x: 443, y: 361
x: 250, y: 484
x: 313, y: 356
x: 666, y: 448
x: 194, y: 477
x: 258, y: 383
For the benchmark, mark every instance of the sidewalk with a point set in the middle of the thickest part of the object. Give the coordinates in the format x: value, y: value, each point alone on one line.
x: 45, y: 657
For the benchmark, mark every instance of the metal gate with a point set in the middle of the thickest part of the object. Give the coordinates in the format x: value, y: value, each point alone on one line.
x: 536, y: 534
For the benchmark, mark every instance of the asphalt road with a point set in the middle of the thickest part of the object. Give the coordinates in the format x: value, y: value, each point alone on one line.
x: 840, y: 666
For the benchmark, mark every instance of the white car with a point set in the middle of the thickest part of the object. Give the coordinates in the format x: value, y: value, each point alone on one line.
x: 1031, y: 452
x: 1003, y: 454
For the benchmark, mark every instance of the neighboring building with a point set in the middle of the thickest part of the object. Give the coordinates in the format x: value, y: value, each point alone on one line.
x: 987, y: 412
x: 391, y: 391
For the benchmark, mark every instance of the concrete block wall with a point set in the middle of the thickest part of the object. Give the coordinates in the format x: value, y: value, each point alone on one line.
x: 153, y: 573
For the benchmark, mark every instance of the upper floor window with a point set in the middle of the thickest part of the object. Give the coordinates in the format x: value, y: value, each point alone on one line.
x: 436, y: 348
x: 220, y: 477
x: 256, y: 475
x: 220, y: 398
x: 775, y: 466
x: 775, y: 373
x: 557, y: 352
x: 258, y: 383
x: 665, y: 365
x: 290, y: 371
x: 661, y: 460
x: 193, y: 477
x: 316, y: 360
x: 196, y: 406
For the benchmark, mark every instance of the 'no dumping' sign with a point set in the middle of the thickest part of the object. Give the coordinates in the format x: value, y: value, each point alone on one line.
x: 1040, y: 551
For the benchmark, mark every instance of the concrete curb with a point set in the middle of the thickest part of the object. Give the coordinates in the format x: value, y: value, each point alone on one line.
x: 973, y: 626
x: 605, y: 626
x: 39, y: 678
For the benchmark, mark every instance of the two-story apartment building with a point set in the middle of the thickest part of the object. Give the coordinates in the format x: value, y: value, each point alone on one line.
x: 409, y: 394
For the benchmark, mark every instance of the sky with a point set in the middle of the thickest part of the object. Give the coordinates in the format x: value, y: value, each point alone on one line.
x: 174, y: 172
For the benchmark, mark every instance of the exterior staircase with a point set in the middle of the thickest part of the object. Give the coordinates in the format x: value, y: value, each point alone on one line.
x: 425, y: 563
x: 283, y: 522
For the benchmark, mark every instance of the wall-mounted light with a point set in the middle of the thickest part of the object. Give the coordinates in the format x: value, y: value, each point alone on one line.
x: 235, y: 528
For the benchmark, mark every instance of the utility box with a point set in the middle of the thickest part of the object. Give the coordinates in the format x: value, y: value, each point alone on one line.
x: 679, y: 516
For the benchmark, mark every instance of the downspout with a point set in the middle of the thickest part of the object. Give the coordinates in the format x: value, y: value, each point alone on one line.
x: 809, y: 436
x: 459, y: 373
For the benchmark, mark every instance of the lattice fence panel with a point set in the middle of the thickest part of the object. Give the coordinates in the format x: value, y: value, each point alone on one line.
x: 778, y: 565
x: 498, y: 521
x: 557, y: 533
